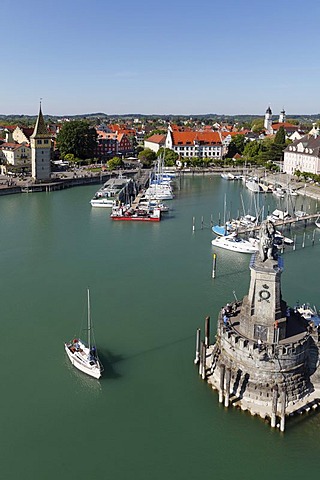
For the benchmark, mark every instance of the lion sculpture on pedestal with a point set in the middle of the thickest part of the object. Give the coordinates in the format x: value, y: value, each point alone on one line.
x: 267, y: 249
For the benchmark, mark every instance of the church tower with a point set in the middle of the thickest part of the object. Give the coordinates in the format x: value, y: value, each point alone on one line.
x: 40, y: 142
x: 282, y: 116
x: 268, y: 120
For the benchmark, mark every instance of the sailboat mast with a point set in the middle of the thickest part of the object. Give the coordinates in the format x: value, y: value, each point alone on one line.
x: 89, y: 321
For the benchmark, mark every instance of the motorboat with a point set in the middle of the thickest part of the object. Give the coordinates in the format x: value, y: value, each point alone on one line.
x: 309, y: 313
x: 279, y: 192
x: 127, y: 213
x: 108, y: 195
x: 227, y: 176
x: 236, y: 244
x: 152, y: 204
x: 253, y: 185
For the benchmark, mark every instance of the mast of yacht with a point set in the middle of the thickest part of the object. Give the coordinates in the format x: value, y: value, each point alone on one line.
x: 89, y: 321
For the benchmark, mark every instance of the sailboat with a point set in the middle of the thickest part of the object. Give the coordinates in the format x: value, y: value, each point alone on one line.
x: 84, y: 355
x: 317, y: 222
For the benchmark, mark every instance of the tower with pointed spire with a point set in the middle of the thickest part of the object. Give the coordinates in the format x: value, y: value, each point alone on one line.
x: 40, y: 142
x: 268, y: 120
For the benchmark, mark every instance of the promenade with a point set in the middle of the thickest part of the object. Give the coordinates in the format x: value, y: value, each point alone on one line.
x: 83, y: 176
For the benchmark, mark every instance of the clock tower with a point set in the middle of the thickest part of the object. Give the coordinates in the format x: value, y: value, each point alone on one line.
x: 264, y: 310
x: 40, y: 142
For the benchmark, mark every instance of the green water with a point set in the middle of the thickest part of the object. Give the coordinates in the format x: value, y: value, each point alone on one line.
x: 150, y: 416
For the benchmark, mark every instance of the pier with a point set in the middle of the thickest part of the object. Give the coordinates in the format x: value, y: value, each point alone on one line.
x: 279, y: 223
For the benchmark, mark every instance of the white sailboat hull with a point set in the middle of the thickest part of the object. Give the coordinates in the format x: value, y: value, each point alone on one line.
x: 80, y: 361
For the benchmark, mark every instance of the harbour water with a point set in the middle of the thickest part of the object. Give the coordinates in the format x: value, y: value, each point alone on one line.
x: 150, y: 416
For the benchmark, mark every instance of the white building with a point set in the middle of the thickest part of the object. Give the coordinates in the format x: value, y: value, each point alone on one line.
x: 155, y: 142
x: 15, y: 154
x: 303, y: 155
x: 190, y: 144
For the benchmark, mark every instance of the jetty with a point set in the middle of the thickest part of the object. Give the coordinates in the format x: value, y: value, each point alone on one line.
x: 265, y: 359
x: 292, y: 221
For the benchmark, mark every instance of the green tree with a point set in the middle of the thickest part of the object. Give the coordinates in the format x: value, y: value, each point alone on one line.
x: 280, y: 137
x: 77, y: 137
x: 115, y: 163
x: 158, y: 131
x: 170, y: 157
x: 147, y: 157
x: 258, y: 125
x: 236, y: 145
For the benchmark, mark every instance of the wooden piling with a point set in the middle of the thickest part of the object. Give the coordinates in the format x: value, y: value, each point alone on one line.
x: 283, y: 410
x: 304, y: 239
x: 274, y: 406
x: 197, y: 357
x: 211, y: 220
x: 227, y: 391
x: 214, y: 265
x: 207, y: 332
x: 313, y: 237
x: 193, y: 224
x: 221, y: 389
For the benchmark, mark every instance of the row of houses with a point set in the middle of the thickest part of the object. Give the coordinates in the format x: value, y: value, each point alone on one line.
x: 209, y: 142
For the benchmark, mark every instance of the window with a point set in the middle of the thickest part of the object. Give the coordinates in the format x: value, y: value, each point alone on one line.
x: 39, y: 142
x: 46, y: 141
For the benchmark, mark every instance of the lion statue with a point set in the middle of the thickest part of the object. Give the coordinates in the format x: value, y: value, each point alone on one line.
x: 266, y: 241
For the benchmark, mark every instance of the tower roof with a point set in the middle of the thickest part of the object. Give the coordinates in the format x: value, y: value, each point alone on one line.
x: 40, y: 130
x: 269, y: 110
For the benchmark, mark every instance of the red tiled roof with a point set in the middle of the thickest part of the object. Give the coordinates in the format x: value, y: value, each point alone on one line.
x: 12, y: 145
x: 9, y: 127
x: 185, y: 138
x: 106, y: 135
x: 285, y: 125
x: 232, y: 134
x: 116, y: 128
x: 156, y: 138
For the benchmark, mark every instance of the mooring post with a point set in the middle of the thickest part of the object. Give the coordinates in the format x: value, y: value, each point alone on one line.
x: 204, y: 361
x: 221, y: 390
x: 207, y: 332
x: 214, y: 265
x: 313, y: 236
x: 227, y: 393
x: 274, y: 406
x: 294, y: 241
x: 304, y: 239
x: 202, y: 223
x: 197, y: 358
x: 211, y: 220
x: 219, y: 220
x: 283, y: 410
x: 193, y: 224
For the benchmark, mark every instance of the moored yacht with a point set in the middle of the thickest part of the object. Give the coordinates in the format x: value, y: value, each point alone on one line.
x: 236, y: 244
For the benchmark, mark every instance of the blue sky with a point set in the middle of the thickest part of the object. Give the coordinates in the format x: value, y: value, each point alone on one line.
x: 179, y: 57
